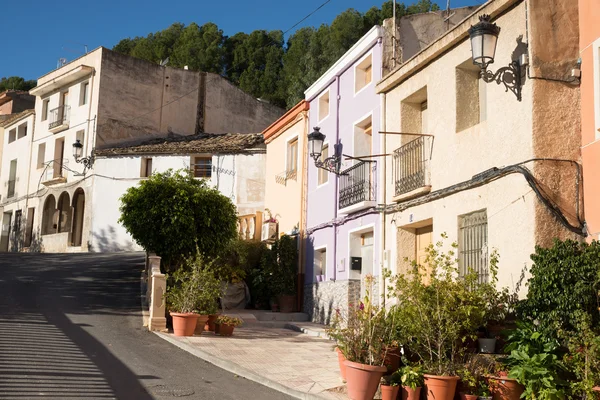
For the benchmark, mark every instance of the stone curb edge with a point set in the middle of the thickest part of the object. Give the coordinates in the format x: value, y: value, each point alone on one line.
x: 241, y: 371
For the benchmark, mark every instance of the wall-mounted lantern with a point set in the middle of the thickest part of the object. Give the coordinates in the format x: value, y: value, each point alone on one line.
x: 315, y: 148
x: 484, y: 36
x: 78, y: 152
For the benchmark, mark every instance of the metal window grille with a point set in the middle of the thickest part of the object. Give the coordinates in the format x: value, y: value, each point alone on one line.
x: 202, y: 167
x: 59, y: 116
x: 411, y: 165
x: 473, y: 244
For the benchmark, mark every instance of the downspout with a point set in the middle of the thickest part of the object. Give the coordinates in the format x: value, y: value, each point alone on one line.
x: 302, y: 233
x: 28, y: 180
x: 87, y: 148
x: 383, y: 182
x: 336, y: 195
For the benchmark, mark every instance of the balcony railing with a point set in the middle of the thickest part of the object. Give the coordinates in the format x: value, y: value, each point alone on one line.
x: 285, y: 176
x: 411, y: 165
x: 250, y: 226
x: 59, y: 116
x: 357, y: 184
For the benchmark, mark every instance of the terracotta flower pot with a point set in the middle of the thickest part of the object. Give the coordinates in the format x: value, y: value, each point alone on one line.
x: 184, y: 324
x: 200, y: 324
x: 411, y: 394
x: 389, y: 392
x: 363, y: 380
x: 226, y: 330
x: 464, y: 396
x: 341, y: 360
x: 210, y: 324
x: 440, y: 387
x: 392, y: 359
x: 287, y: 303
x: 503, y: 388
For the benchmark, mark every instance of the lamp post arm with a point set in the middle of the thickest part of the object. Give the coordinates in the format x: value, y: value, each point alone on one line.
x: 510, y: 76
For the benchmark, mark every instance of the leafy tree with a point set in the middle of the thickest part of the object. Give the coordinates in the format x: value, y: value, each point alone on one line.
x: 16, y: 83
x: 200, y: 48
x: 176, y: 216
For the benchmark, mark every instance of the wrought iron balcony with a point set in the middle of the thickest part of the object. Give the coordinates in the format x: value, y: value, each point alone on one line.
x: 59, y: 116
x: 285, y: 176
x: 357, y: 184
x: 411, y: 165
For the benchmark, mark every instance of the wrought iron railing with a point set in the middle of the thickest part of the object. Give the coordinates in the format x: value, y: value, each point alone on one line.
x: 357, y: 184
x: 59, y: 116
x: 411, y: 165
x: 285, y: 176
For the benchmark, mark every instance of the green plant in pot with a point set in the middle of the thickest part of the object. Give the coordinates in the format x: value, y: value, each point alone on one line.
x: 472, y: 376
x: 281, y: 263
x: 390, y: 385
x: 438, y: 309
x: 227, y: 324
x: 411, y: 379
x: 190, y: 288
x: 363, y: 336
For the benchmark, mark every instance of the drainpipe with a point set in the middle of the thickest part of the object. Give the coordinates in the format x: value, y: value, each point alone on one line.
x: 383, y: 182
x: 28, y: 180
x: 303, y: 207
x: 336, y: 202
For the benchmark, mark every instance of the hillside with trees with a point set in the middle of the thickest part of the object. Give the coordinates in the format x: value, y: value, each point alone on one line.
x: 262, y: 63
x: 15, y: 83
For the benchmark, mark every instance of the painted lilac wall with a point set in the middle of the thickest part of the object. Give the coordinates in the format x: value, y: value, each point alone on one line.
x: 322, y: 201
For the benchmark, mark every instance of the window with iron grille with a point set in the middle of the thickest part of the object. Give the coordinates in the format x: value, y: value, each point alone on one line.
x: 473, y: 244
x: 202, y: 167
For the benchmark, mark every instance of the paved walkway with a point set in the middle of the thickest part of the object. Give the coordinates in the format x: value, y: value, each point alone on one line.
x: 295, y: 363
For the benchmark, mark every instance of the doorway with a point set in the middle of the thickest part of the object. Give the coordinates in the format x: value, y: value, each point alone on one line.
x: 5, y: 235
x: 366, y: 254
x: 78, y: 210
x: 423, y: 239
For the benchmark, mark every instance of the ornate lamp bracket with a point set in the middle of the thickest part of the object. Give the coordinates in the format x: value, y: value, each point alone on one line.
x: 510, y: 76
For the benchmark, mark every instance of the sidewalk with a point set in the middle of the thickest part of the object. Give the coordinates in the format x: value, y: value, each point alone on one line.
x: 298, y: 364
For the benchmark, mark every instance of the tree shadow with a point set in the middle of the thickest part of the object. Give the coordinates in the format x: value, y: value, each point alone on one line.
x: 104, y: 242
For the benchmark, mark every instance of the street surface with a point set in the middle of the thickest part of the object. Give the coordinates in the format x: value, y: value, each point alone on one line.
x: 71, y: 328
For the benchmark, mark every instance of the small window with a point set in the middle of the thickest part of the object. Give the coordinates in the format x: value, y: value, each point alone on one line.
x: 59, y: 154
x: 468, y: 99
x: 363, y: 74
x: 146, y: 169
x: 83, y: 95
x: 45, y: 106
x: 202, y: 167
x: 12, y: 179
x: 320, y: 262
x: 324, y: 174
x: 473, y: 244
x: 41, y: 156
x: 292, y: 156
x: 22, y: 131
x: 80, y: 135
x: 363, y: 138
x: 324, y: 106
x: 12, y: 135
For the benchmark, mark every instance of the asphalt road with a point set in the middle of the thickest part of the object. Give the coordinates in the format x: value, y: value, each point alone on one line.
x: 70, y: 328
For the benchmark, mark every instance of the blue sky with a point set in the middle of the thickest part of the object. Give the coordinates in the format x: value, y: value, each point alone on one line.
x: 33, y: 42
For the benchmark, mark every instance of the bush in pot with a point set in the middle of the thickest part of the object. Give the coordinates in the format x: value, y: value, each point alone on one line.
x: 227, y: 324
x: 438, y: 310
x: 390, y: 385
x: 363, y: 337
x: 411, y: 379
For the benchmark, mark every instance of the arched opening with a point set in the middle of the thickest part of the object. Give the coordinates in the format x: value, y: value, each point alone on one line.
x: 78, y: 207
x: 64, y: 213
x: 48, y: 224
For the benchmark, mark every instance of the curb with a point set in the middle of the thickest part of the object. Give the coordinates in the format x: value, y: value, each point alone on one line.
x: 241, y: 371
x: 307, y: 331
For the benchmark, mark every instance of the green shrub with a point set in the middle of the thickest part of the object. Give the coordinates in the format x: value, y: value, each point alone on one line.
x: 564, y: 282
x: 175, y: 215
x: 280, y: 264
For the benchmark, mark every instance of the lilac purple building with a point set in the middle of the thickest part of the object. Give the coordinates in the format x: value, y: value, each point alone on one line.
x: 343, y: 225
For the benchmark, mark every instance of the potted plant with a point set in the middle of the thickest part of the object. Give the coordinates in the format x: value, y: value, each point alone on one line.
x: 469, y: 385
x: 341, y: 362
x: 226, y: 324
x: 363, y: 337
x: 190, y: 286
x: 411, y: 378
x: 209, y: 292
x: 390, y: 386
x: 483, y: 392
x: 439, y: 309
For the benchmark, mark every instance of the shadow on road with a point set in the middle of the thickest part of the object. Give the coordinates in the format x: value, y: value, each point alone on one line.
x: 43, y: 353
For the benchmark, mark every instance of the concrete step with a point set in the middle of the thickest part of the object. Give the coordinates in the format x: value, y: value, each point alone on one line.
x: 309, y: 328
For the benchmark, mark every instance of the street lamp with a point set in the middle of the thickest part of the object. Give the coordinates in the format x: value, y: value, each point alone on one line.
x: 78, y: 152
x: 315, y: 146
x: 484, y: 36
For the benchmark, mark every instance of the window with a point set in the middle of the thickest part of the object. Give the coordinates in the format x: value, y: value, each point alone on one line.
x: 473, y: 244
x: 363, y: 74
x: 83, y: 93
x: 12, y: 135
x: 22, y: 131
x: 320, y: 263
x: 45, y: 106
x: 80, y: 135
x: 29, y: 227
x: 59, y: 153
x: 146, y: 168
x: 324, y: 174
x: 324, y: 105
x: 12, y: 179
x: 41, y: 156
x: 292, y: 156
x: 48, y: 225
x: 470, y: 96
x: 363, y: 138
x: 202, y: 167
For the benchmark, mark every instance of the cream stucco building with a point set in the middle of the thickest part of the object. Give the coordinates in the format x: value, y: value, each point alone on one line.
x: 469, y: 159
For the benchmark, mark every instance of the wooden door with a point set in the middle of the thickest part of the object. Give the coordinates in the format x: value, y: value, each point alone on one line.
x: 424, y: 237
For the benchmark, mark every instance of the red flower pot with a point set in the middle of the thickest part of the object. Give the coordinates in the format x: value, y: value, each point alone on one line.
x: 287, y: 303
x: 504, y: 388
x: 464, y: 396
x: 440, y: 387
x: 210, y: 324
x: 392, y: 359
x: 184, y: 324
x: 225, y: 330
x: 389, y: 392
x: 341, y: 360
x: 410, y: 394
x: 363, y: 380
x: 200, y: 323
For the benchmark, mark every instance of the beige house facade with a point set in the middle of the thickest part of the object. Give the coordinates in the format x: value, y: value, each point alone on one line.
x: 469, y: 159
